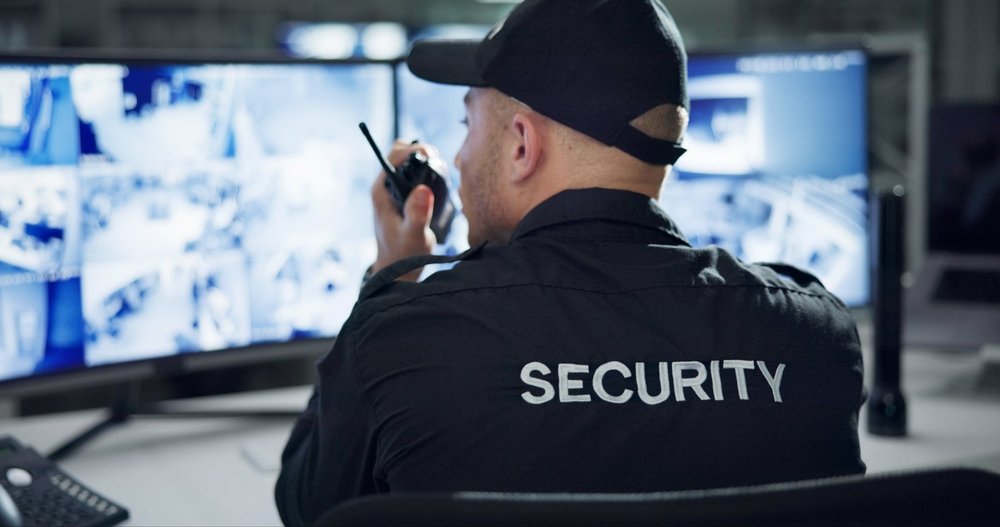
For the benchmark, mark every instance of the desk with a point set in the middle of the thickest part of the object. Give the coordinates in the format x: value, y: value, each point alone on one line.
x: 952, y: 420
x: 189, y: 471
x: 178, y: 470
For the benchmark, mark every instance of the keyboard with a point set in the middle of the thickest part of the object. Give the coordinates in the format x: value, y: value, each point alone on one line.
x: 46, y: 495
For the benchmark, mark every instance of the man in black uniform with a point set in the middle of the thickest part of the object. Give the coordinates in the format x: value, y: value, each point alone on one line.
x: 586, y: 346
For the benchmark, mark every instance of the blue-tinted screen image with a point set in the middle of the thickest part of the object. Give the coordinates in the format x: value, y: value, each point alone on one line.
x: 776, y: 167
x: 149, y: 210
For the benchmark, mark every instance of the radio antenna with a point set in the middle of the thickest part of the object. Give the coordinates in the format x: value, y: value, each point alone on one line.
x: 378, y: 153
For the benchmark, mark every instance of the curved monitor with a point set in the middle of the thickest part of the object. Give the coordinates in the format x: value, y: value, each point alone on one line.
x: 153, y: 212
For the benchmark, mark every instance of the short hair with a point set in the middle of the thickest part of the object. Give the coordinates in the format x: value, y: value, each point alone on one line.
x: 666, y: 122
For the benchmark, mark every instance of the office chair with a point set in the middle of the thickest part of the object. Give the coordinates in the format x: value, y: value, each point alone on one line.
x: 928, y: 497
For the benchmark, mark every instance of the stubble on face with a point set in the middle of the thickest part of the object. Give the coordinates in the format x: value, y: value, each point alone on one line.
x: 482, y: 168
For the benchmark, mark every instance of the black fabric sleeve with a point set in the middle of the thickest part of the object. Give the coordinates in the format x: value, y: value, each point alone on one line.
x: 330, y: 454
x: 294, y: 458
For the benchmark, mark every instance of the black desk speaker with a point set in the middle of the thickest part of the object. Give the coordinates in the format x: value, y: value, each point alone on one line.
x: 886, y: 404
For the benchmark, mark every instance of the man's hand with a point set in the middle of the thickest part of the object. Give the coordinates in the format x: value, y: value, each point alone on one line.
x: 408, y: 234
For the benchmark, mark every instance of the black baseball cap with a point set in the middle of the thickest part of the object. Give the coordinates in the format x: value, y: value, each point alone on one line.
x: 592, y: 65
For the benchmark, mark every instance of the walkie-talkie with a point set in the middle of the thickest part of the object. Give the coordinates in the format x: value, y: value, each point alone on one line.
x: 403, y: 179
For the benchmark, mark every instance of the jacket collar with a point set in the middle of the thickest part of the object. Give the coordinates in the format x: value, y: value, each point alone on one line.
x: 587, y: 205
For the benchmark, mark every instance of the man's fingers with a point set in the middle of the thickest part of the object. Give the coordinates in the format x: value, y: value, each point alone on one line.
x: 408, y: 234
x: 419, y: 206
x: 381, y: 199
x: 401, y: 151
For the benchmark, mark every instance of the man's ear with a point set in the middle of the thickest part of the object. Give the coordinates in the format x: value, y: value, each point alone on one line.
x: 527, y: 148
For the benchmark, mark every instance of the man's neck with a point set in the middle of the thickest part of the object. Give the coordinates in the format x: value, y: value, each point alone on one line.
x: 607, y: 167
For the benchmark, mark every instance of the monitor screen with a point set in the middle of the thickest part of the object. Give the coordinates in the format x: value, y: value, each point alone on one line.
x: 776, y: 168
x: 151, y: 209
x: 964, y: 179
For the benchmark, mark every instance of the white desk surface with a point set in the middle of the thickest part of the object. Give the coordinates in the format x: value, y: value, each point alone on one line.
x: 178, y: 470
x: 221, y: 471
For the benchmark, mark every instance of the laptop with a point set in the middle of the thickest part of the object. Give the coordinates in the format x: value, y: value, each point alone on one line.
x: 954, y: 302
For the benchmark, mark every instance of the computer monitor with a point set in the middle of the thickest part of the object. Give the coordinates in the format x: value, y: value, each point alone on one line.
x: 157, y: 215
x: 953, y: 302
x: 776, y: 168
x: 963, y: 194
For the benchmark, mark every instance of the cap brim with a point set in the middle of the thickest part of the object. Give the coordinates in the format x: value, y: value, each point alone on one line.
x: 446, y: 61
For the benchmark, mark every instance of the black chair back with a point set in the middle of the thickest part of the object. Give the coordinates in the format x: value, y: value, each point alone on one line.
x: 923, y: 498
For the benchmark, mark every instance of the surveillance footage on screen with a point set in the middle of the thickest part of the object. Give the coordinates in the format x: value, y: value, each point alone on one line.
x: 150, y: 210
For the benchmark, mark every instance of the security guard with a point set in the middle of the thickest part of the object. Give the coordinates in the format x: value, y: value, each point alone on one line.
x: 582, y: 344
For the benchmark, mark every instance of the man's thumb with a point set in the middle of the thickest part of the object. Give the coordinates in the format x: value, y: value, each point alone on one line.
x: 419, y: 206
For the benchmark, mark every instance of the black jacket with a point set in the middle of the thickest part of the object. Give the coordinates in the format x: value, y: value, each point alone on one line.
x: 597, y: 351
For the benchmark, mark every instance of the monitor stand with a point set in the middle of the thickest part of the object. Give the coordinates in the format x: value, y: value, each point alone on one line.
x: 127, y: 406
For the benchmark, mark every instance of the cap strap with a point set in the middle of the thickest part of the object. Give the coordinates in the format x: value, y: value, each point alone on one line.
x: 646, y: 148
